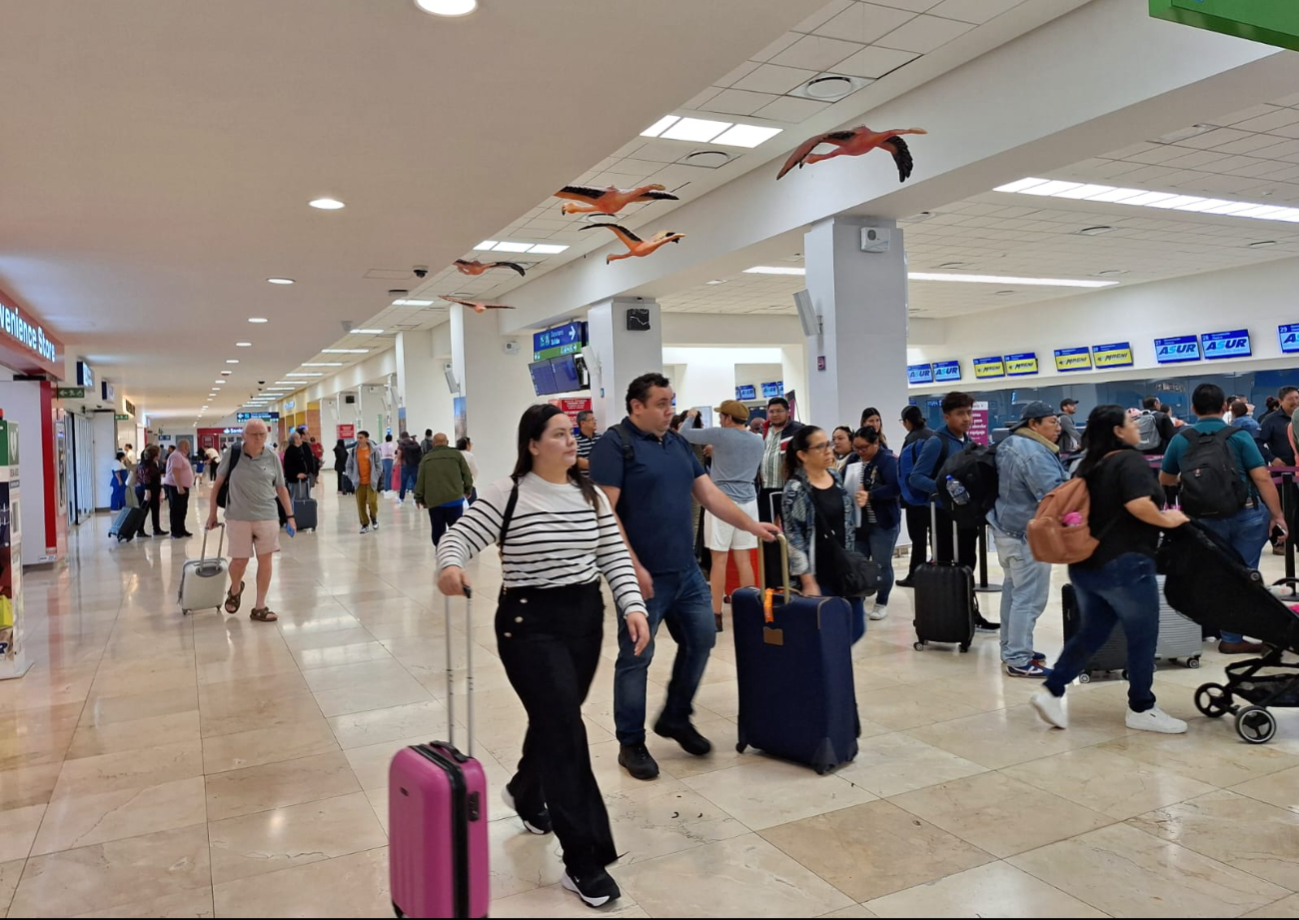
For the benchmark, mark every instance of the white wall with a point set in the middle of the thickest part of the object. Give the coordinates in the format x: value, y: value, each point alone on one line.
x: 1258, y: 297
x: 704, y: 376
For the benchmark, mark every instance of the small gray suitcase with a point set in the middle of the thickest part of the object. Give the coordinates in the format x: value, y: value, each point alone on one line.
x: 1180, y: 637
x: 203, y: 580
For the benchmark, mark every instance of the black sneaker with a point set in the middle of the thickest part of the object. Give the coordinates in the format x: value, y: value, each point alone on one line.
x: 685, y: 735
x: 596, y: 889
x: 638, y: 761
x: 983, y: 625
x: 905, y: 583
x: 536, y: 822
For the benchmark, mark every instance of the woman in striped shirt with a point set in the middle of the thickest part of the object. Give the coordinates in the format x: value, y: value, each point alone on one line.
x: 557, y: 535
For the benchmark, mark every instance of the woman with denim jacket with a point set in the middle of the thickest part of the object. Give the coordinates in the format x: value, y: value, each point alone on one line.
x: 817, y: 510
x: 874, y: 488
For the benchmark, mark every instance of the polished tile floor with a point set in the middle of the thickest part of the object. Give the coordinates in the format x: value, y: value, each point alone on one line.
x: 159, y: 765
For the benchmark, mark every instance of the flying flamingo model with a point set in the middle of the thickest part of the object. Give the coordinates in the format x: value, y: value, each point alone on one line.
x: 608, y: 200
x: 466, y: 267
x: 635, y: 245
x: 854, y: 143
x: 477, y: 306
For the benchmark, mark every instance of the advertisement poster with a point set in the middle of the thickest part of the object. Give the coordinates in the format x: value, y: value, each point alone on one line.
x: 347, y: 432
x: 979, y: 423
x: 572, y: 407
x: 462, y: 423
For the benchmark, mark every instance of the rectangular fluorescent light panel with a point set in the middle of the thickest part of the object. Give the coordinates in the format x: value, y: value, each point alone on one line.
x: 547, y: 249
x: 367, y: 332
x: 746, y: 136
x: 659, y: 126
x: 322, y: 364
x: 1168, y: 201
x: 486, y: 244
x: 412, y: 303
x: 304, y: 374
x: 695, y: 129
x: 774, y: 270
x: 932, y: 276
x: 345, y: 351
x: 513, y: 247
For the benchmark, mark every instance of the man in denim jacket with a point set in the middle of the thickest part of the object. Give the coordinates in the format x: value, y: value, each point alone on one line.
x: 1028, y: 467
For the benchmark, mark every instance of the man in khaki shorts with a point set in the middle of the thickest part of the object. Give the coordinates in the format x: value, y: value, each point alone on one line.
x: 256, y: 480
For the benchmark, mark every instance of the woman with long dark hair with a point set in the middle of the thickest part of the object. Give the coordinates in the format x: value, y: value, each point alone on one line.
x: 870, y: 418
x: 873, y: 485
x: 818, y: 512
x: 149, y: 476
x: 340, y: 462
x: 557, y: 535
x: 1117, y: 584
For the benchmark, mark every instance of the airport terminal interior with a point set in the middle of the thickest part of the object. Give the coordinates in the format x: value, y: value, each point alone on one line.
x: 337, y: 221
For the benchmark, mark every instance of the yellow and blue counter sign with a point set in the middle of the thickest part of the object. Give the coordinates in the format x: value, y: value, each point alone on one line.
x: 1073, y: 359
x: 1116, y: 354
x: 985, y: 368
x: 1021, y: 365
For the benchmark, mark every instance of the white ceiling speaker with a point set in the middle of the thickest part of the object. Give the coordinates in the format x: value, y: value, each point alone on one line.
x: 452, y: 383
x: 807, y: 314
x: 829, y: 87
x: 707, y: 159
x: 876, y: 239
x: 512, y: 347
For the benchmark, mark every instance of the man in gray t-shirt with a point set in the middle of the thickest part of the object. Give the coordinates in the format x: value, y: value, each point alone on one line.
x: 737, y: 454
x: 256, y: 480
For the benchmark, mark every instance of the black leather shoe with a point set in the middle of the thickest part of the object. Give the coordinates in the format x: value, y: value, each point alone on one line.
x: 685, y: 735
x: 638, y: 761
x: 904, y: 583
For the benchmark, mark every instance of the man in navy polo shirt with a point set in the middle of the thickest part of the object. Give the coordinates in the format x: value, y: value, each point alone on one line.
x: 650, y: 474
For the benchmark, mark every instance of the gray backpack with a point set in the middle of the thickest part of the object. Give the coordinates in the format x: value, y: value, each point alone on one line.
x: 1147, y: 425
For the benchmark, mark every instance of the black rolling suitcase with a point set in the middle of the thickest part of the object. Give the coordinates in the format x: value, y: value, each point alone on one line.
x: 128, y: 523
x: 945, y: 603
x: 304, y: 506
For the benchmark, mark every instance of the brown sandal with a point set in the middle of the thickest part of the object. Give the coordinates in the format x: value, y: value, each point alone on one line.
x: 263, y: 614
x: 233, y: 600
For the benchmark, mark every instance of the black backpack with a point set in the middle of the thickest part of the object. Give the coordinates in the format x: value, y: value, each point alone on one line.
x: 223, y: 495
x: 975, y: 469
x: 411, y: 453
x: 1211, y: 487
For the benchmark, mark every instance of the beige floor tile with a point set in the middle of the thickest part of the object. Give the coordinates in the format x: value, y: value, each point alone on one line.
x: 874, y: 849
x: 352, y: 675
x: 1107, y: 782
x: 1010, y: 736
x: 340, y: 654
x: 995, y: 890
x: 390, y: 724
x: 891, y: 764
x: 106, y: 710
x: 555, y: 901
x: 675, y: 762
x: 767, y: 792
x: 18, y: 828
x: 115, y: 737
x: 904, y: 707
x: 196, y: 902
x: 31, y: 785
x: 1209, y: 751
x: 268, y: 745
x: 24, y: 748
x: 80, y: 820
x: 1000, y: 814
x: 1118, y: 870
x: 396, y: 691
x: 346, y: 886
x: 1279, y: 789
x: 130, y: 769
x: 291, y: 836
x: 120, y: 872
x: 658, y: 819
x: 849, y: 913
x: 1286, y: 907
x: 1257, y: 838
x: 10, y: 872
x: 225, y: 715
x: 301, y: 640
x: 161, y: 676
x: 521, y: 861
x: 744, y: 877
x: 274, y: 785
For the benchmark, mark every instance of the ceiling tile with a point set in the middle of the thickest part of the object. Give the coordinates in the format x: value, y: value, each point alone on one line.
x: 1277, y: 118
x: 772, y: 78
x: 1194, y: 159
x: 663, y: 151
x: 1277, y: 150
x: 791, y: 110
x: 875, y: 62
x: 1248, y: 144
x: 737, y: 102
x: 915, y: 6
x: 1288, y: 130
x: 743, y: 70
x: 827, y: 12
x: 776, y: 47
x: 924, y: 33
x: 1214, y: 138
x: 976, y: 11
x: 864, y: 23
x: 698, y: 101
x: 819, y: 53
x: 1254, y: 111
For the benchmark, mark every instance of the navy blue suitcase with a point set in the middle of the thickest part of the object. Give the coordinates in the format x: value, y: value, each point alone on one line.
x: 797, y: 698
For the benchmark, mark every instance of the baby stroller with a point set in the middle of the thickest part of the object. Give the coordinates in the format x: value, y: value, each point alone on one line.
x: 1208, y: 582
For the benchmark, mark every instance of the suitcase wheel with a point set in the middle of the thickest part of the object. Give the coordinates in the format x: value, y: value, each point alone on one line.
x: 741, y: 748
x: 1193, y: 662
x: 965, y: 647
x: 397, y: 911
x: 822, y: 769
x: 919, y: 645
x: 1084, y: 678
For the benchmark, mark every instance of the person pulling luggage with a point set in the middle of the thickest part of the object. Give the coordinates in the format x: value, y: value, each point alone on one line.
x: 874, y: 486
x: 558, y: 535
x: 1116, y: 584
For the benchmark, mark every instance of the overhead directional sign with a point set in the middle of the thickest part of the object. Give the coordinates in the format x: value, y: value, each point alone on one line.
x: 1271, y: 22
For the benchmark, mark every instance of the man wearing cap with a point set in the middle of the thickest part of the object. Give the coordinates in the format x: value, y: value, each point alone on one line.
x: 1028, y: 467
x: 737, y: 453
x: 1070, y: 439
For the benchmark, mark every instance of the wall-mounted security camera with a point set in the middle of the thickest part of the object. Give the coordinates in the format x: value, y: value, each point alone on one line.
x: 421, y: 271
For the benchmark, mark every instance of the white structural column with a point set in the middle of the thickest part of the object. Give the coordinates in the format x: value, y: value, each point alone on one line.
x: 329, y: 426
x: 617, y: 355
x: 422, y: 384
x: 861, y: 298
x: 496, y: 385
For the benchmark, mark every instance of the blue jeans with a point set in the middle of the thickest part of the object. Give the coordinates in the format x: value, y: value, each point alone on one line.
x: 877, y: 544
x: 684, y: 600
x: 386, y: 485
x: 409, y: 475
x: 1124, y: 591
x: 443, y: 518
x: 1247, y: 531
x: 1026, y: 587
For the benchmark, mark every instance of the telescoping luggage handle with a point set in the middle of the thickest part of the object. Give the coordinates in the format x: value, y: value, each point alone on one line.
x: 768, y: 598
x: 933, y: 534
x: 221, y: 541
x: 469, y: 674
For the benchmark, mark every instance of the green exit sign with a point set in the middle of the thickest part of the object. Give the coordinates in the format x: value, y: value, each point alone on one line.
x: 1270, y: 22
x: 72, y: 392
x: 122, y: 418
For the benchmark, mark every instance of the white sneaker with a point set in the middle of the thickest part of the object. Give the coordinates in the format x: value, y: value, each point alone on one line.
x: 1050, y: 708
x: 365, y: 530
x: 879, y: 611
x: 375, y: 525
x: 1155, y: 720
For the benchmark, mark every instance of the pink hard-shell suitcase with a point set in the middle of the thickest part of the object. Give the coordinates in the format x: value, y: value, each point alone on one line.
x: 437, y: 815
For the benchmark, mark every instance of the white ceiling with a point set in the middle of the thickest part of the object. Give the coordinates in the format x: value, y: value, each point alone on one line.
x: 1252, y: 155
x: 158, y: 155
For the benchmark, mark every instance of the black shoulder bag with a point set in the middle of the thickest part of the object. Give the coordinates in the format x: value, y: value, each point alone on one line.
x: 858, y: 576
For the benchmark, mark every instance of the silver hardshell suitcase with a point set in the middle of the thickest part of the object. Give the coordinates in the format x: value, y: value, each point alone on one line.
x: 203, y: 580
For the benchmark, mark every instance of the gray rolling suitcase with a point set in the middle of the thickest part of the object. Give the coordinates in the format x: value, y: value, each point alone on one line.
x: 304, y: 506
x: 203, y: 580
x: 1179, y: 640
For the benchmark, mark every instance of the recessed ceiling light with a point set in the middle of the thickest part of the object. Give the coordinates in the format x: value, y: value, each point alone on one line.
x: 1261, y: 243
x: 219, y: 383
x: 1167, y: 201
x: 513, y: 247
x: 695, y: 129
x: 280, y: 280
x: 406, y: 302
x: 243, y: 344
x: 1111, y: 271
x: 367, y: 332
x: 1002, y: 279
x: 304, y: 374
x: 1185, y: 134
x: 323, y: 364
x: 828, y: 87
x: 344, y: 351
x: 257, y: 319
x: 746, y: 136
x: 660, y: 126
x: 232, y: 360
x: 716, y: 281
x: 326, y: 204
x: 774, y: 270
x: 487, y: 244
x: 547, y: 249
x: 448, y: 7
x: 1095, y: 231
